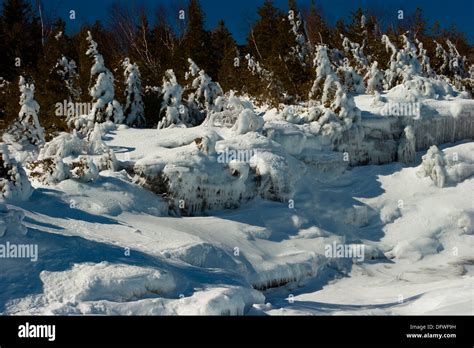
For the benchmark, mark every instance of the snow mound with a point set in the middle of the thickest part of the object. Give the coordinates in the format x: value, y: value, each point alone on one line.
x: 415, y: 249
x: 118, y: 289
x: 203, y: 255
x: 105, y: 281
x: 213, y: 173
x: 419, y: 88
x: 112, y: 194
x: 466, y: 222
x: 247, y: 121
x: 222, y: 300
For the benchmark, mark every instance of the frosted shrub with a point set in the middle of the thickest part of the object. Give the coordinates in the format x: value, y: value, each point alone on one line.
x: 374, y: 78
x: 69, y: 156
x: 14, y: 183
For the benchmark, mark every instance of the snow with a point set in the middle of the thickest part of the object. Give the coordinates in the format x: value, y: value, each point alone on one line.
x: 247, y: 121
x: 244, y: 261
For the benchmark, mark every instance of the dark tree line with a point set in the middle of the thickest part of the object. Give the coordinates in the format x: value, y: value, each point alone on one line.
x: 31, y: 45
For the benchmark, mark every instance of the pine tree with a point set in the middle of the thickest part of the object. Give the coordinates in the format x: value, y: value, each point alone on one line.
x: 226, y: 56
x: 196, y: 41
x: 57, y: 76
x: 317, y: 29
x: 270, y: 43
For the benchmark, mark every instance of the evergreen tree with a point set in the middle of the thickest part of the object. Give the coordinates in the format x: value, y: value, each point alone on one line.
x: 133, y: 111
x: 270, y: 42
x: 26, y: 130
x: 20, y: 39
x: 226, y: 56
x: 56, y: 81
x: 196, y: 41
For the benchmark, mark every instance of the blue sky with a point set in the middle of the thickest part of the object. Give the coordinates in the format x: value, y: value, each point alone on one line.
x: 238, y: 14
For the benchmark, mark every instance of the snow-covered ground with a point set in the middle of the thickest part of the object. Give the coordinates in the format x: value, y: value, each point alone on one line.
x: 110, y: 246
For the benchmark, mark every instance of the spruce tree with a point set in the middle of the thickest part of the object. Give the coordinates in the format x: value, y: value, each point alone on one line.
x: 226, y: 56
x: 196, y: 41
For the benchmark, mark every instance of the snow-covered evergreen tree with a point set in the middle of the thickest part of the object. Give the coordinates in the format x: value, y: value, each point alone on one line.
x: 14, y: 184
x: 104, y: 108
x: 351, y: 80
x: 326, y: 82
x: 134, y: 107
x: 456, y: 61
x: 453, y: 64
x: 444, y: 57
x: 203, y: 90
x: 424, y: 59
x: 345, y: 108
x: 374, y: 79
x: 173, y: 111
x: 357, y: 53
x: 27, y: 129
x: 403, y: 62
x: 300, y: 49
x: 67, y: 70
